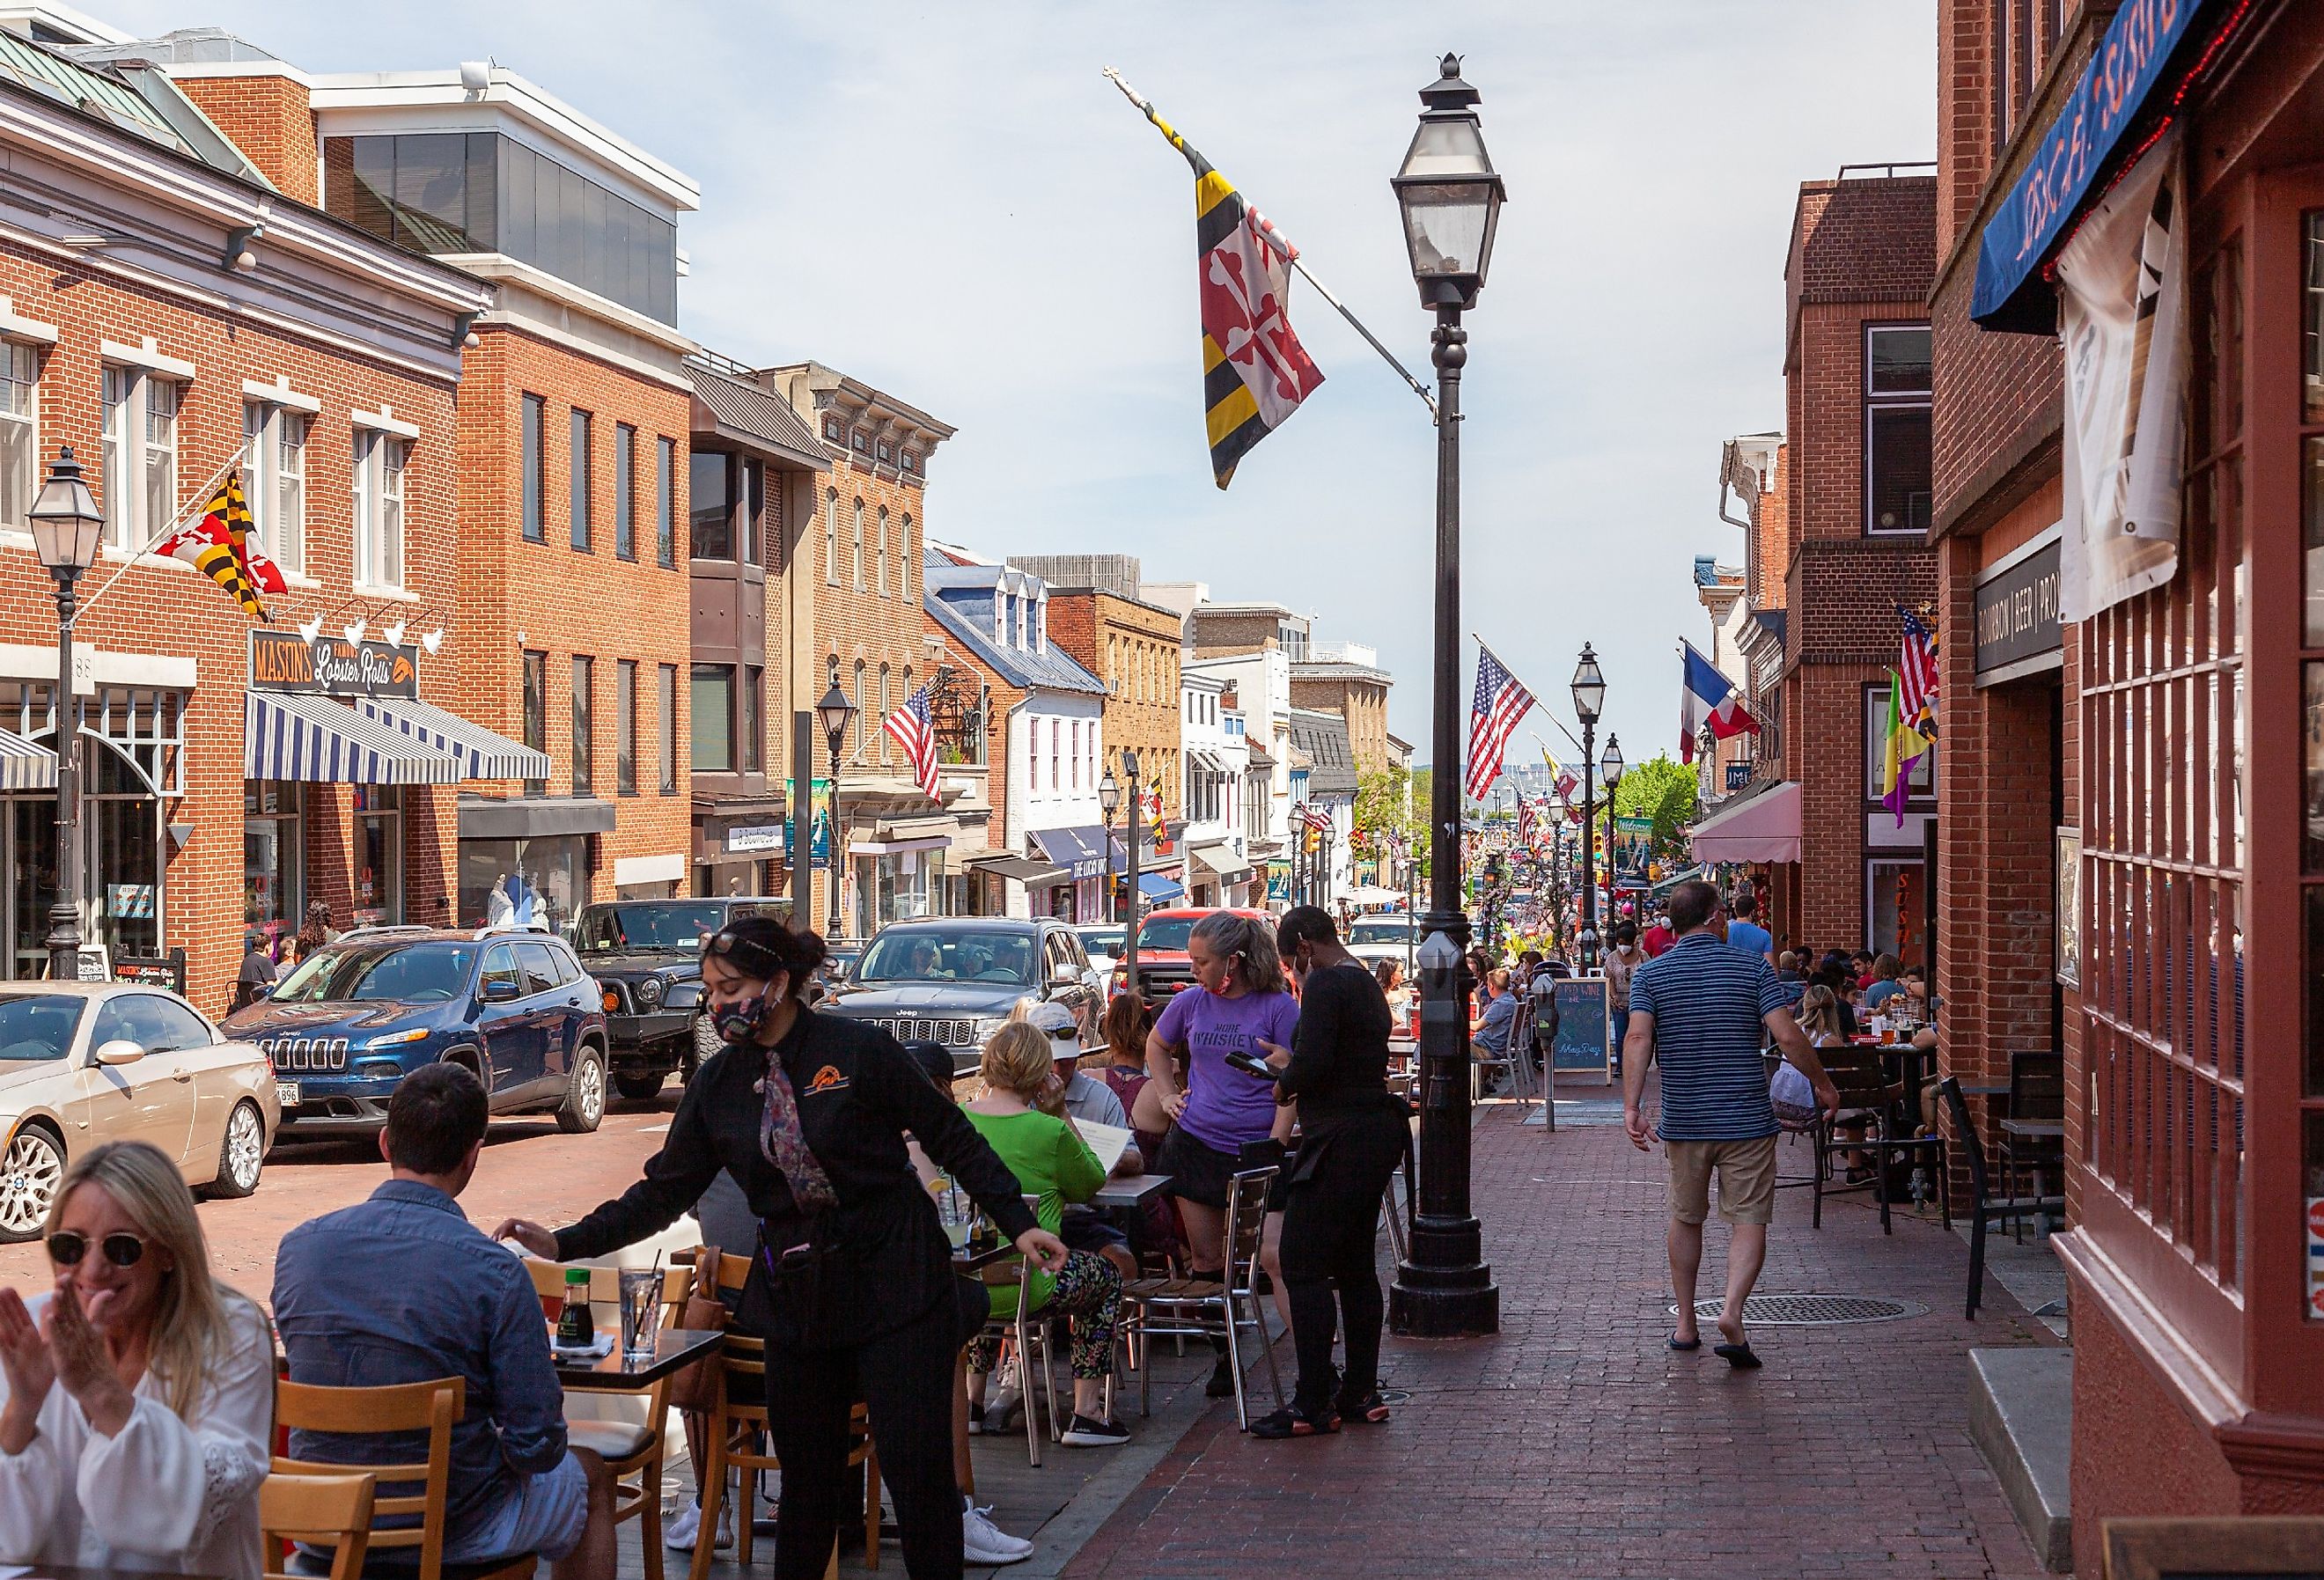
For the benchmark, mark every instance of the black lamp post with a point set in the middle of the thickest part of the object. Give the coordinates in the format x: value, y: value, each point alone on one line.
x: 1129, y: 896
x: 67, y: 528
x: 1450, y: 204
x: 1108, y: 798
x: 835, y: 711
x: 1588, y: 700
x: 1610, y: 775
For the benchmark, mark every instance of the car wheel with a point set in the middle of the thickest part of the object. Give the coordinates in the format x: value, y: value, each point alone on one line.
x: 707, y: 1041
x: 585, y: 1094
x: 29, y: 1175
x: 241, y: 1154
x: 636, y: 1087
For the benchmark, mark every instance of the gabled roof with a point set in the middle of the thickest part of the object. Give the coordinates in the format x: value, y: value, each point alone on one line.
x: 959, y: 598
x: 133, y: 95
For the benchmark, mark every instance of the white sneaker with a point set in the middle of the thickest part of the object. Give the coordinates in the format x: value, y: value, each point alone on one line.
x: 681, y: 1530
x: 983, y: 1542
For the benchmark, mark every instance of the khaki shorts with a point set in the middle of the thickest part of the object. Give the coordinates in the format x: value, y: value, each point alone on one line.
x: 1747, y: 1180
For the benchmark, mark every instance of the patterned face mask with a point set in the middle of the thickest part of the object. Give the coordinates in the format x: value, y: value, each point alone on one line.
x: 739, y: 1022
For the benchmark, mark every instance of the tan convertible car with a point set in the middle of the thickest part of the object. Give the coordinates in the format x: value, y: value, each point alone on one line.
x: 86, y: 1062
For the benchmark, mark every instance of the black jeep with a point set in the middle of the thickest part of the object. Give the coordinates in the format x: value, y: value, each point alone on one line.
x: 647, y: 958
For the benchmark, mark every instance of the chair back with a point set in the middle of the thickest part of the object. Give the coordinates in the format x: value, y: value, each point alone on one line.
x: 405, y: 1407
x: 324, y: 1511
x: 1246, y: 1220
x: 1856, y: 1072
x: 1971, y: 1150
x: 2037, y: 1087
x: 742, y: 1355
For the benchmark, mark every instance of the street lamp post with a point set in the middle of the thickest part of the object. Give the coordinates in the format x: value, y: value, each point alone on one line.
x: 1108, y: 798
x: 835, y: 711
x: 1129, y: 896
x: 1450, y: 200
x: 1589, y: 699
x: 67, y: 527
x: 1610, y: 773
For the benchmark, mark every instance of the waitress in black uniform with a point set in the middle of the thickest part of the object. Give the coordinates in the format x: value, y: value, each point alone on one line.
x: 1352, y: 1135
x: 852, y: 1286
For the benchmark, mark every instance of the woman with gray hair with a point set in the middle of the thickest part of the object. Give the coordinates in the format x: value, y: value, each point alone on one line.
x: 1239, y: 1005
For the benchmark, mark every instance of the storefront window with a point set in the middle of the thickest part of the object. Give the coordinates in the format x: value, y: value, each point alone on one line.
x: 273, y: 869
x: 511, y: 881
x: 378, y: 856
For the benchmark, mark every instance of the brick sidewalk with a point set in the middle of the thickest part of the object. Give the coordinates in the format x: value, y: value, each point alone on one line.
x: 1575, y: 1443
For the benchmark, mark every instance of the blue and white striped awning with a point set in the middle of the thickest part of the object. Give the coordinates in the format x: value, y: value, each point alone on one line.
x: 24, y: 766
x: 481, y: 753
x: 295, y: 735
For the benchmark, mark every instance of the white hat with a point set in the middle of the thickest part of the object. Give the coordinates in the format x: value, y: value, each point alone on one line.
x: 1059, y: 1023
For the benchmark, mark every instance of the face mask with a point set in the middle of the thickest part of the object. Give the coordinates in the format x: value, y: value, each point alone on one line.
x: 739, y: 1022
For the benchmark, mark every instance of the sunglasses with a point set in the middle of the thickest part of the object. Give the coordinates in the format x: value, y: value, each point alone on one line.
x: 754, y: 957
x: 67, y: 1247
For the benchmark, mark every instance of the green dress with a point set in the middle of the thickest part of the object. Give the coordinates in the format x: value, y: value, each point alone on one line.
x: 1050, y: 1161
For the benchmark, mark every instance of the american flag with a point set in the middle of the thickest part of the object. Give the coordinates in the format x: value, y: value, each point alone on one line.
x: 1917, y: 669
x: 1501, y: 703
x: 916, y: 732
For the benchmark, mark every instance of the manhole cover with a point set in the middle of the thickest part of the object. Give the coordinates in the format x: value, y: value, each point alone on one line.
x: 1812, y: 1310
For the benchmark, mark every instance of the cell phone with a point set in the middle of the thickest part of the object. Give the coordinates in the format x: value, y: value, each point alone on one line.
x: 1252, y: 1065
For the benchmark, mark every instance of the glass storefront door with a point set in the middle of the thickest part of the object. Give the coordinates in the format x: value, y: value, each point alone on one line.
x: 378, y: 856
x: 273, y: 868
x: 28, y: 843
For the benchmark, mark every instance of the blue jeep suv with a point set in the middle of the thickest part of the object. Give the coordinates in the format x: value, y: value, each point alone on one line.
x: 357, y: 1016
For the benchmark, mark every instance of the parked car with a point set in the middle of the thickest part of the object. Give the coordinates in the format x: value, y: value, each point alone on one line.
x: 1386, y: 935
x: 82, y: 1063
x: 355, y: 1018
x: 1103, y: 944
x: 1165, y: 970
x: 647, y: 958
x: 949, y: 981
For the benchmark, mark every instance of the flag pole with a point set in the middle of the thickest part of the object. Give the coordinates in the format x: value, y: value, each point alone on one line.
x: 1291, y: 255
x: 201, y: 497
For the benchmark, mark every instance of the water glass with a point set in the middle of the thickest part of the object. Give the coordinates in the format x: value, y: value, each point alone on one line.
x: 640, y: 1312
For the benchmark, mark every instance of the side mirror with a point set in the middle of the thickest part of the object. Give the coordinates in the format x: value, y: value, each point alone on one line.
x: 119, y: 1051
x: 500, y: 990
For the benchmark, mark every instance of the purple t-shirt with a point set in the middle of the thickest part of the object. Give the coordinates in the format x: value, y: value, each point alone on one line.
x: 1225, y: 1106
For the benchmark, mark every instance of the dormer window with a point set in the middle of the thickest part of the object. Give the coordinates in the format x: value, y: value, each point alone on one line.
x: 1041, y: 625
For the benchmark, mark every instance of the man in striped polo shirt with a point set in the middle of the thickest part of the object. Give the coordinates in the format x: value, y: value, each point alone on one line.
x: 1703, y: 1011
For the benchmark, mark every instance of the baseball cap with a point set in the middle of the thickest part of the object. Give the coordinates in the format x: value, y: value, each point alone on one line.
x: 1056, y: 1023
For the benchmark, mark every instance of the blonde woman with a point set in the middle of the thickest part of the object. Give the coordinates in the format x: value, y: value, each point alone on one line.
x: 1819, y: 1017
x: 140, y: 1392
x: 1052, y: 1161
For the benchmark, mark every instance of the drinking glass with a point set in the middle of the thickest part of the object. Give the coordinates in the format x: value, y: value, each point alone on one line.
x: 641, y: 1311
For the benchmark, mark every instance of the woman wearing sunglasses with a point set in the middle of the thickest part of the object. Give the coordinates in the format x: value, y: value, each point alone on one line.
x: 852, y: 1286
x: 140, y: 1392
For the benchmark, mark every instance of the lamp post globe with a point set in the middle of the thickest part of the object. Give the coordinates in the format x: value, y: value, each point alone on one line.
x: 67, y: 528
x: 1589, y: 687
x: 833, y: 712
x: 1449, y: 200
x: 1610, y: 765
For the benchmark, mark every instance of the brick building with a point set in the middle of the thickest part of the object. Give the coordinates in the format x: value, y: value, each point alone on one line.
x: 1852, y: 547
x: 2129, y: 871
x: 171, y: 312
x: 1345, y: 678
x: 1132, y: 646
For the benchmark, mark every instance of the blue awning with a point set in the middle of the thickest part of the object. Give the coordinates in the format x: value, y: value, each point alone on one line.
x: 481, y: 753
x: 2128, y: 86
x: 1080, y: 851
x: 1156, y: 887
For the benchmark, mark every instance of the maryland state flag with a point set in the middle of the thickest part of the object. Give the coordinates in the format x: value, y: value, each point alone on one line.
x: 1255, y: 372
x: 219, y: 546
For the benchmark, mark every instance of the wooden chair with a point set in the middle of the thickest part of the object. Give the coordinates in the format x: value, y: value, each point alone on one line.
x: 1984, y: 1208
x: 2034, y: 1126
x: 1028, y: 1332
x: 370, y: 1412
x: 733, y: 1442
x: 634, y: 1451
x: 1867, y: 1099
x: 325, y: 1510
x: 1209, y: 1307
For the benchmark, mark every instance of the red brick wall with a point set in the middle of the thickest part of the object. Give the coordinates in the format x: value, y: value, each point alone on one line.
x: 1119, y: 640
x: 269, y: 119
x: 165, y: 608
x: 564, y: 602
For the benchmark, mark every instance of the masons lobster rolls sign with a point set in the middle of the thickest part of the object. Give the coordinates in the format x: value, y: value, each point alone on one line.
x: 284, y: 661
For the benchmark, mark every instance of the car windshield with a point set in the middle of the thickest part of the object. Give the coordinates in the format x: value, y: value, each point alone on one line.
x: 647, y: 927
x: 37, y: 1026
x: 1102, y: 940
x: 925, y: 955
x: 410, y: 973
x: 1166, y: 932
x: 1380, y: 929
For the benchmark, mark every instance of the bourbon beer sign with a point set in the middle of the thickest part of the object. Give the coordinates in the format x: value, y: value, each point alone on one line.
x: 284, y: 661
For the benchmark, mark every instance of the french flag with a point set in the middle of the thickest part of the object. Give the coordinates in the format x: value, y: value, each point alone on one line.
x: 1709, y: 698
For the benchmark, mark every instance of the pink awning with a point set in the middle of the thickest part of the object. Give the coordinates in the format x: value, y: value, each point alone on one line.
x: 1761, y: 825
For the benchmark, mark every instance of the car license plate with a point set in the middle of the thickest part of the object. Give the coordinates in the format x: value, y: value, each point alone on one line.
x: 286, y: 1092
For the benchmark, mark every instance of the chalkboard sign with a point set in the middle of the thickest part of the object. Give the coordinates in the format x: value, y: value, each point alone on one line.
x: 94, y: 964
x: 1584, y: 1041
x: 164, y: 971
x: 2281, y: 1548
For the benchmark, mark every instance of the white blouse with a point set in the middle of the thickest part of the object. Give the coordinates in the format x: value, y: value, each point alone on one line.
x: 163, y: 1493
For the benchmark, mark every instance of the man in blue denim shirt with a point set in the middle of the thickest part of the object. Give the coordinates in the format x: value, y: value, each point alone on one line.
x: 402, y: 1288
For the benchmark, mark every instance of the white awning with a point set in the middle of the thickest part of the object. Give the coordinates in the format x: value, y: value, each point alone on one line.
x: 482, y: 753
x: 24, y: 766
x: 298, y: 735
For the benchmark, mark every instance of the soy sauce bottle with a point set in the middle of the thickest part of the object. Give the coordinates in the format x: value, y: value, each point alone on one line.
x: 576, y: 1327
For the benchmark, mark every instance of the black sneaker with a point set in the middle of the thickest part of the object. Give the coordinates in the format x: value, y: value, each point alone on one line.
x: 1222, y: 1384
x: 1291, y: 1421
x: 975, y: 1420
x: 1370, y: 1409
x: 1087, y: 1433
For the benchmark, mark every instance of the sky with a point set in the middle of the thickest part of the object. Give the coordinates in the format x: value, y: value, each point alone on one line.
x: 951, y: 203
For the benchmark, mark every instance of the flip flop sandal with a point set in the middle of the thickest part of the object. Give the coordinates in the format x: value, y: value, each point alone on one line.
x: 1684, y: 1345
x: 1738, y: 1356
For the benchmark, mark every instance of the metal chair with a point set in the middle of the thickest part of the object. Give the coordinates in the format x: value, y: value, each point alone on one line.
x: 1028, y: 1333
x: 2033, y: 1125
x: 1209, y: 1307
x: 1983, y: 1208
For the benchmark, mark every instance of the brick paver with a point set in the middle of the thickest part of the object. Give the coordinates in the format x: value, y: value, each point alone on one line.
x: 1575, y: 1443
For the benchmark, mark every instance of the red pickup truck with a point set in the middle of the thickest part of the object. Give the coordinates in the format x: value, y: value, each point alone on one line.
x: 1164, y: 967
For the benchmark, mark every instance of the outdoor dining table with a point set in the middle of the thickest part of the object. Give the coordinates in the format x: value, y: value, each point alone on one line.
x: 1129, y: 1190
x: 674, y: 1348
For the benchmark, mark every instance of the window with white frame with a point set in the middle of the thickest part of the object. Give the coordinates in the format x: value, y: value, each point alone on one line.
x: 1897, y: 468
x: 20, y: 429
x: 379, y: 461
x: 859, y: 545
x: 160, y: 459
x: 831, y: 537
x: 905, y: 555
x: 880, y: 566
x: 1073, y: 758
x: 141, y: 454
x: 274, y: 463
